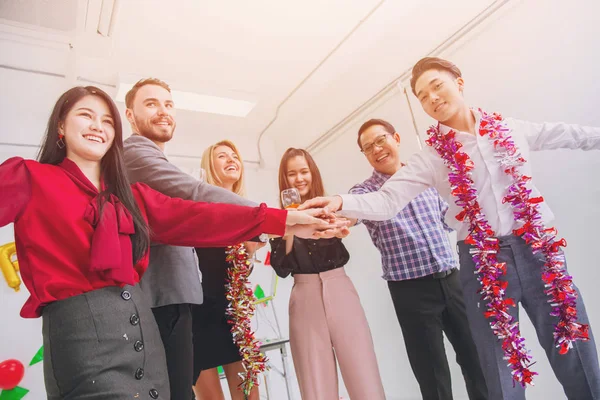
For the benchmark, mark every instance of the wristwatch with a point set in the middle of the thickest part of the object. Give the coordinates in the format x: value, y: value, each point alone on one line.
x: 263, y: 237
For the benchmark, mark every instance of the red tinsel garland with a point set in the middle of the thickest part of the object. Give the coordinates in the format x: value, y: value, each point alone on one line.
x: 240, y: 312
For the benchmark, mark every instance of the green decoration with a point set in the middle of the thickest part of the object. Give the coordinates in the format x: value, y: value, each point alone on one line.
x: 39, y: 356
x: 220, y: 370
x: 259, y: 292
x: 14, y: 394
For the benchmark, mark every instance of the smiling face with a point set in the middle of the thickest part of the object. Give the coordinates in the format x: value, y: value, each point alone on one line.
x: 440, y: 94
x: 298, y: 175
x: 227, y: 165
x: 152, y: 114
x: 381, y: 149
x: 88, y: 129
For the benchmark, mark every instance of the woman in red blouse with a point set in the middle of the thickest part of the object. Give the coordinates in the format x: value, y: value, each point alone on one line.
x: 82, y: 235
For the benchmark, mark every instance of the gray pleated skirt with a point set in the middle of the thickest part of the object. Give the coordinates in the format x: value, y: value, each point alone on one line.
x: 104, y: 344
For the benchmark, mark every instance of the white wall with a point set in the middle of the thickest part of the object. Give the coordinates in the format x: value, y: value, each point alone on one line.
x: 533, y: 61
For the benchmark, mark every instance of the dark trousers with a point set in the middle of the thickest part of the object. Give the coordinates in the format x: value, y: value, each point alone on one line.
x: 577, y: 371
x: 427, y: 308
x: 175, y: 326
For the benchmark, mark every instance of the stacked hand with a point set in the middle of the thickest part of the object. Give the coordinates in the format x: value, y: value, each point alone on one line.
x: 343, y: 231
x: 332, y: 203
x: 315, y: 223
x: 314, y: 219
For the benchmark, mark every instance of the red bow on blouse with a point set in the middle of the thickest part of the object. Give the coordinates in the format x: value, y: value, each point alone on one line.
x: 111, y: 250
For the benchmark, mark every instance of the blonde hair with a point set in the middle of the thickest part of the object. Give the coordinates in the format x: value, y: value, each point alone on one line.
x: 207, y: 164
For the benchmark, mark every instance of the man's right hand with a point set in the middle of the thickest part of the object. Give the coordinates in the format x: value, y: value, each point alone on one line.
x: 332, y: 203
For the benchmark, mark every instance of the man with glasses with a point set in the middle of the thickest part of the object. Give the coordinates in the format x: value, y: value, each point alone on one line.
x: 420, y: 269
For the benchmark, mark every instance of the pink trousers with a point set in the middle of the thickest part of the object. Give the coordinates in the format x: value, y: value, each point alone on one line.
x: 327, y: 322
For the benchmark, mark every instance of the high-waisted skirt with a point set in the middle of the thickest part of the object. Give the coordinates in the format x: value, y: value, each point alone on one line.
x: 103, y: 344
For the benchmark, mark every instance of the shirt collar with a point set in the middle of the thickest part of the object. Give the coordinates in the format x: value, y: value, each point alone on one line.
x: 379, y: 178
x: 445, y: 129
x: 77, y: 176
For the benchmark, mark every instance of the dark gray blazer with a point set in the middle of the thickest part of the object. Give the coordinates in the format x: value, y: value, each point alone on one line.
x: 173, y: 276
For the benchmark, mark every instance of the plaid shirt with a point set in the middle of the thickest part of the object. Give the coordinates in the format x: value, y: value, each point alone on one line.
x: 415, y: 242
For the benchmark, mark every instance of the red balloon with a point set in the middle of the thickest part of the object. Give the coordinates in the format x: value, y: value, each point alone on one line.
x: 11, y: 373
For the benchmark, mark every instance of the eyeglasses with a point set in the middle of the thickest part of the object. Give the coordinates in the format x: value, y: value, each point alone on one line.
x: 379, y: 142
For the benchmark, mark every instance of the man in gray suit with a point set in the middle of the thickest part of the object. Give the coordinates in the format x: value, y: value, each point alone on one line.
x: 172, y: 280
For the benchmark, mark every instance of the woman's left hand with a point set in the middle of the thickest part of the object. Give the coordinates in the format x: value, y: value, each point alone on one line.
x: 252, y: 247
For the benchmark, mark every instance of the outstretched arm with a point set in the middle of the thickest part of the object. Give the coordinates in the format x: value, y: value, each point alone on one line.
x: 389, y: 200
x: 15, y: 190
x: 181, y: 222
x: 146, y: 163
x: 550, y: 136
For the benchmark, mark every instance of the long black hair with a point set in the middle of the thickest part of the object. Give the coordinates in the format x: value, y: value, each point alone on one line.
x: 112, y: 166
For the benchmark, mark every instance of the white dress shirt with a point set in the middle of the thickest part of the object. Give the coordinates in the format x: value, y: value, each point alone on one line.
x: 427, y: 169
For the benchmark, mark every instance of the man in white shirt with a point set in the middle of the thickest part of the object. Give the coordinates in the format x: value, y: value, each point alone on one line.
x: 438, y: 84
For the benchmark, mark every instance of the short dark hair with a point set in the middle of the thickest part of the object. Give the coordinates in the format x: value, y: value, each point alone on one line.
x: 130, y: 96
x: 427, y: 63
x: 386, y: 125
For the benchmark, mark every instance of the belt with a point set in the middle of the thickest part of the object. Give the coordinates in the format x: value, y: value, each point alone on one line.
x: 438, y: 275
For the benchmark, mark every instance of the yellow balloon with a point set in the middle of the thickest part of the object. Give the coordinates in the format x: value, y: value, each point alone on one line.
x: 10, y: 266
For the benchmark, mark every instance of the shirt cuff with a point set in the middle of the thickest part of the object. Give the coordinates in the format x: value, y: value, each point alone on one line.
x: 274, y: 222
x: 350, y: 206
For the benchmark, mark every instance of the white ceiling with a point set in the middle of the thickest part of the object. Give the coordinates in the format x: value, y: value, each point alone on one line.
x: 260, y: 50
x: 59, y: 15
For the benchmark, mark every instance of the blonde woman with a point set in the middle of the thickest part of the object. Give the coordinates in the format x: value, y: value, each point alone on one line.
x: 213, y: 342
